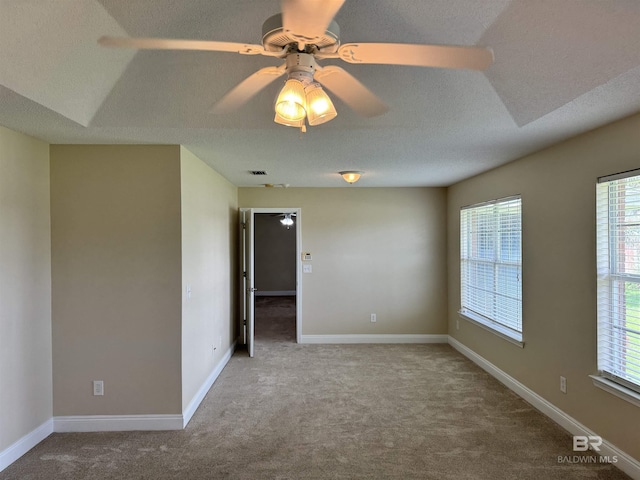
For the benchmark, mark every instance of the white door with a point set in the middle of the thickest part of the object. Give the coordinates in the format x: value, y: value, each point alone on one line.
x: 248, y: 286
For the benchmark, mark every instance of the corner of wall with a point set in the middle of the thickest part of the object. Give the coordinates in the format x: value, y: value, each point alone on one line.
x: 25, y: 295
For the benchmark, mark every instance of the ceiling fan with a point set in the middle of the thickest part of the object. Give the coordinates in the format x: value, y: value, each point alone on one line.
x: 286, y: 219
x: 304, y: 33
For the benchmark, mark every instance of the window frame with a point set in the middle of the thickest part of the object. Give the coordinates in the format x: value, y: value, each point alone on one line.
x: 611, y: 298
x: 467, y: 261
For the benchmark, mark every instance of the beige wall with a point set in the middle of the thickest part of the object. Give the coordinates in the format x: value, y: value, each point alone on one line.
x: 275, y: 254
x: 375, y: 250
x: 25, y: 286
x: 559, y: 274
x: 209, y: 228
x: 116, y: 279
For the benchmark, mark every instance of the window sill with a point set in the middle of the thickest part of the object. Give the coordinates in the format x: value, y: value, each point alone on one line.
x: 616, y: 389
x: 494, y: 328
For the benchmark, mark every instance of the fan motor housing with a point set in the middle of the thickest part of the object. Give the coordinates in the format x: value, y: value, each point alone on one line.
x: 301, y: 67
x: 274, y: 37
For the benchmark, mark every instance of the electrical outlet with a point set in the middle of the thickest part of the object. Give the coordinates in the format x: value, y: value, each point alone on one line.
x: 563, y: 384
x: 373, y: 318
x: 98, y: 387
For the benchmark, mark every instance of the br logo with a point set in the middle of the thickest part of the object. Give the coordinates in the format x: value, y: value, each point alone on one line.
x: 582, y: 443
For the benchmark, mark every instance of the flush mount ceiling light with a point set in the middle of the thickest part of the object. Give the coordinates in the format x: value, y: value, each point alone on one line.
x: 351, y: 176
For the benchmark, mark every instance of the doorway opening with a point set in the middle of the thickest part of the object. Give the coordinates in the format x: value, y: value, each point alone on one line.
x: 270, y: 271
x: 275, y: 277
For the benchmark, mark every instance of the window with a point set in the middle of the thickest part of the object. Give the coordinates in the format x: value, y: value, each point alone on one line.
x: 491, y: 265
x: 618, y: 264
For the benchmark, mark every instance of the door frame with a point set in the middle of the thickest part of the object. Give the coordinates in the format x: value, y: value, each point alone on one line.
x: 298, y: 227
x: 246, y: 267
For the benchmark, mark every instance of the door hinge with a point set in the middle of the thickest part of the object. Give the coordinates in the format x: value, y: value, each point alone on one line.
x: 244, y: 274
x: 244, y: 226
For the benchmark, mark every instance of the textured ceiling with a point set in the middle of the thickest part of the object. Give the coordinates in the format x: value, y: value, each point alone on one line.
x: 561, y: 67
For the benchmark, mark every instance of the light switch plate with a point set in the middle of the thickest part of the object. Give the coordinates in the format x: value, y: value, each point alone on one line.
x: 98, y: 387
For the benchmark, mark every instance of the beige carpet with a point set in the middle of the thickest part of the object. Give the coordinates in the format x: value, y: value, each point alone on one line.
x: 331, y: 412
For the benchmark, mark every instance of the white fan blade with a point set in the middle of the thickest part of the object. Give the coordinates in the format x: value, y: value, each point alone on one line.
x: 175, y: 44
x: 245, y: 90
x: 308, y: 19
x: 350, y: 91
x: 442, y: 56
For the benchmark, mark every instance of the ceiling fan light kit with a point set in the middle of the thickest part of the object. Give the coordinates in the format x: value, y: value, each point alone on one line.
x: 286, y: 220
x: 306, y: 32
x: 302, y: 97
x: 291, y: 103
x: 289, y: 123
x: 295, y: 102
x: 320, y: 108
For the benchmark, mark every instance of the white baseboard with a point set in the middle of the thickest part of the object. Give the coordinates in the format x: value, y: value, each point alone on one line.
x: 26, y: 443
x: 124, y: 423
x: 202, y: 392
x: 275, y: 293
x: 375, y: 338
x: 626, y: 463
x: 111, y: 423
x: 116, y: 423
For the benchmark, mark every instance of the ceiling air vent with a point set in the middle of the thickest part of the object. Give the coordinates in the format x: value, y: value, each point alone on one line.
x: 257, y: 172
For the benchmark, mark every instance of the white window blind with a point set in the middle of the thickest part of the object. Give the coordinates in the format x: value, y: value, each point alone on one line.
x: 618, y: 264
x: 491, y: 264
